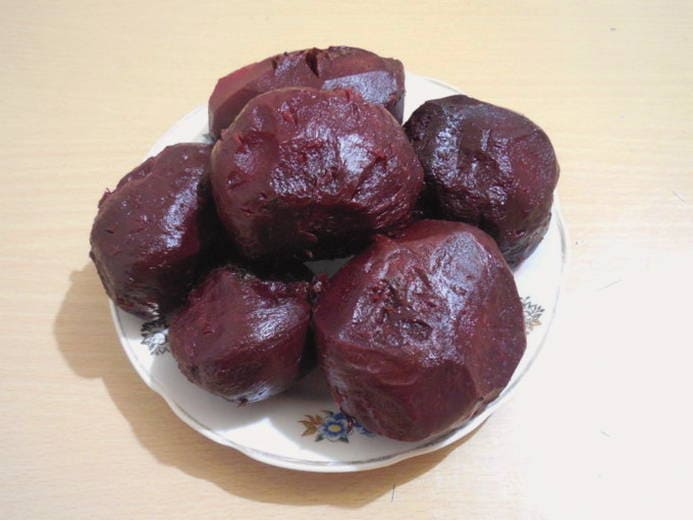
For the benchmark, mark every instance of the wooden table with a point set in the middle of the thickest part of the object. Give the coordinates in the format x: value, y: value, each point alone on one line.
x: 600, y: 427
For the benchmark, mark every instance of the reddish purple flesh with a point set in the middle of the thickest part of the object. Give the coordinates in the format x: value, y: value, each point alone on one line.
x: 307, y: 173
x: 487, y: 166
x: 240, y: 336
x: 377, y: 80
x: 151, y: 232
x: 418, y: 332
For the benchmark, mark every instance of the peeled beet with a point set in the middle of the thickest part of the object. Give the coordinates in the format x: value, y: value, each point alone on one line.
x: 307, y: 173
x: 487, y: 166
x: 418, y: 332
x: 150, y: 234
x: 377, y: 80
x: 240, y: 336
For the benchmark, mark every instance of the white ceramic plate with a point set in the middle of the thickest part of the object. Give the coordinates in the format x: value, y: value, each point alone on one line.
x: 302, y: 429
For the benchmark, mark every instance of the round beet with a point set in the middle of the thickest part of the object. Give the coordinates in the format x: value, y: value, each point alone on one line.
x: 487, y: 166
x: 312, y: 174
x: 417, y: 332
x: 150, y: 234
x: 378, y: 80
x: 242, y: 337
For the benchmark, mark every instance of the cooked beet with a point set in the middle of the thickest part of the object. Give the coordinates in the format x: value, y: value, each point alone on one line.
x: 417, y: 332
x: 151, y: 232
x: 487, y: 166
x: 378, y: 80
x: 240, y: 336
x: 312, y: 174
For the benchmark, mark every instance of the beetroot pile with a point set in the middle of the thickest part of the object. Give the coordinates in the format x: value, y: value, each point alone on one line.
x: 419, y: 329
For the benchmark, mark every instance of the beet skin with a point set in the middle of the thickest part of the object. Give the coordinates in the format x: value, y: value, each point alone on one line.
x: 417, y: 332
x: 307, y: 173
x: 377, y: 80
x: 487, y: 166
x: 151, y: 233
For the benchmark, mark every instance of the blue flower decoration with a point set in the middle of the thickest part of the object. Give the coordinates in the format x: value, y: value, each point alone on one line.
x: 335, y: 427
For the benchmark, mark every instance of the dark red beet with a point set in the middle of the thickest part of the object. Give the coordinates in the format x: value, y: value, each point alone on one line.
x: 418, y: 332
x: 242, y: 337
x: 378, y: 80
x: 487, y: 166
x: 312, y: 174
x: 151, y: 232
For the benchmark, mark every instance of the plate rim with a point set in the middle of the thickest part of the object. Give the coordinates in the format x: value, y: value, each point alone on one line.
x: 428, y: 445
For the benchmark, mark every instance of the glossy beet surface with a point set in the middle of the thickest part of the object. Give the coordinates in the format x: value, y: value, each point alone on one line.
x: 378, y: 80
x: 487, y: 166
x: 151, y: 231
x: 242, y: 337
x: 417, y: 332
x: 312, y: 174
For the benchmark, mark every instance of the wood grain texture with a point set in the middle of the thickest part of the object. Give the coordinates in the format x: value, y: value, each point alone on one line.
x: 598, y: 429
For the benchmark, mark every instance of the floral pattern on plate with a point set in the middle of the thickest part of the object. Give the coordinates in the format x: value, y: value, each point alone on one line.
x: 533, y: 313
x: 155, y: 336
x: 333, y: 426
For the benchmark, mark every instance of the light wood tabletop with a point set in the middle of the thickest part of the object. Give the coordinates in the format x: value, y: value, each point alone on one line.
x: 600, y: 426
